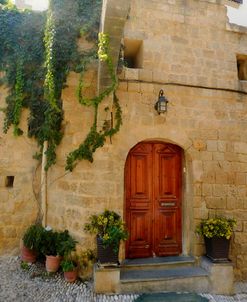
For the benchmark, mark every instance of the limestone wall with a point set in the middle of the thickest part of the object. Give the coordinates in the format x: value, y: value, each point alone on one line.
x: 189, y: 52
x: 18, y: 203
x: 208, y: 123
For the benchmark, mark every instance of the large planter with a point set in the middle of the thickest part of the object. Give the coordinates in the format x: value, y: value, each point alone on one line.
x: 217, y: 248
x: 106, y: 255
x: 52, y: 263
x: 28, y: 255
x: 70, y: 276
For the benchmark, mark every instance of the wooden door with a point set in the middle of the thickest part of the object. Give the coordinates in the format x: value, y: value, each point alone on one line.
x: 153, y: 200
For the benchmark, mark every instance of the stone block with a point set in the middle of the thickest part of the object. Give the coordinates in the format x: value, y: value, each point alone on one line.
x: 106, y: 280
x: 134, y: 87
x: 212, y: 145
x: 241, y: 179
x: 199, y: 145
x: 146, y: 87
x: 145, y: 75
x: 131, y: 74
x: 206, y: 189
x: 221, y: 177
x: 216, y: 202
x: 240, y: 147
x: 221, y: 146
x: 197, y: 167
x: 221, y: 276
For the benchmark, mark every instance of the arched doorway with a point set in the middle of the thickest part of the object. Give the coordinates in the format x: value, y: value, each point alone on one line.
x: 153, y: 200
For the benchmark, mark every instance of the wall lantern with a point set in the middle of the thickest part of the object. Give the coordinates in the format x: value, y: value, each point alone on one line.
x: 161, y: 105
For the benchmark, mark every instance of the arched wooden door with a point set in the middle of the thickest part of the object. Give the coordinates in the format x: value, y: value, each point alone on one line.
x: 153, y: 200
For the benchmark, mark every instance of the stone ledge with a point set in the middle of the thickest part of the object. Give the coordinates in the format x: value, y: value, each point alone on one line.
x: 106, y: 279
x: 236, y: 28
x: 220, y: 276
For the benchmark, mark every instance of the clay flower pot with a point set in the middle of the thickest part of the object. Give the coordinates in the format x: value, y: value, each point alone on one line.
x: 52, y: 263
x: 28, y: 255
x: 70, y: 276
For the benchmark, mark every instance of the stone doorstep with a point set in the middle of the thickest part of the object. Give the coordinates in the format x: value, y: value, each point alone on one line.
x: 151, y: 275
x: 206, y: 278
x: 158, y: 263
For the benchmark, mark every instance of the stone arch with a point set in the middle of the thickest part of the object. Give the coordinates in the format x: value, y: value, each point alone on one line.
x: 187, y: 189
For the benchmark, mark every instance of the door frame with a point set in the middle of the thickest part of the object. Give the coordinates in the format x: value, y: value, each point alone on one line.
x: 182, y: 170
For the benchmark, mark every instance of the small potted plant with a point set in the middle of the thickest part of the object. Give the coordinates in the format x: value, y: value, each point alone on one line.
x: 86, y: 260
x: 110, y: 230
x: 49, y: 250
x: 32, y: 240
x: 55, y: 246
x: 69, y: 267
x: 217, y: 233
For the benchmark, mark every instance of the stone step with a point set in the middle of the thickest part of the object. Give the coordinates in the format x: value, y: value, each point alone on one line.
x: 158, y: 263
x: 185, y: 279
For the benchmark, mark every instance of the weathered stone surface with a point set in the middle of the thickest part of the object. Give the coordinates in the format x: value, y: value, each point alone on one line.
x: 208, y: 123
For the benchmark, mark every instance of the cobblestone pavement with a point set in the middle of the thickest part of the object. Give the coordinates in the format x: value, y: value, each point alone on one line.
x: 18, y: 285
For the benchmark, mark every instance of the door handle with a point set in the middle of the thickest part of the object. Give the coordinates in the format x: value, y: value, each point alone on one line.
x: 168, y: 204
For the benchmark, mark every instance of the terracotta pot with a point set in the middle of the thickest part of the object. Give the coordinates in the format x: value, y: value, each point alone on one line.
x: 28, y: 255
x: 70, y: 276
x: 52, y: 263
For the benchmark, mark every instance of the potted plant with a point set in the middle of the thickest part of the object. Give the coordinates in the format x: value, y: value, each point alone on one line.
x: 65, y: 243
x: 55, y: 246
x: 32, y: 240
x: 217, y: 233
x: 86, y: 260
x: 110, y: 230
x: 69, y: 268
x: 49, y: 250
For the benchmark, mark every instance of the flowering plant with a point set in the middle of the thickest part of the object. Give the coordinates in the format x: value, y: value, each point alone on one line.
x: 109, y: 227
x: 216, y: 227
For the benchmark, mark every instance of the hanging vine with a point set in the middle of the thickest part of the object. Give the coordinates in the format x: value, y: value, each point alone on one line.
x: 96, y: 139
x: 37, y: 51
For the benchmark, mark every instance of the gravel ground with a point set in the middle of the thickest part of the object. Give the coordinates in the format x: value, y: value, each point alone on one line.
x: 18, y: 285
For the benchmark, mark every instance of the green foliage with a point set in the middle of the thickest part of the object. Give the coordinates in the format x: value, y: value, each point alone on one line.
x: 25, y: 266
x: 216, y: 227
x: 37, y: 51
x: 96, y: 139
x: 87, y: 258
x: 57, y: 243
x: 49, y: 243
x: 68, y: 265
x: 108, y: 226
x: 21, y: 57
x: 33, y: 237
x: 65, y: 243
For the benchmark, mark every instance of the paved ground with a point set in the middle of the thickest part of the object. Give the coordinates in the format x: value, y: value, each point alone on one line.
x: 33, y: 285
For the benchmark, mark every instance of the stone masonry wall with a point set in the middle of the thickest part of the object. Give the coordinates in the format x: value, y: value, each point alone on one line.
x: 18, y: 204
x: 208, y: 123
x: 189, y: 52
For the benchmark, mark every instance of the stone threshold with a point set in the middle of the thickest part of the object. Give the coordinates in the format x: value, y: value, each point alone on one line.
x: 158, y: 261
x: 151, y: 275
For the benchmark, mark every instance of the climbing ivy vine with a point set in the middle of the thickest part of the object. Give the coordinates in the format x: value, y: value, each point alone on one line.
x: 37, y: 51
x: 96, y: 139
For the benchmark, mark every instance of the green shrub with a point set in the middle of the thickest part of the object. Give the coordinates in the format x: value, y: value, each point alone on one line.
x: 68, y: 265
x: 33, y: 237
x: 108, y: 226
x: 216, y: 227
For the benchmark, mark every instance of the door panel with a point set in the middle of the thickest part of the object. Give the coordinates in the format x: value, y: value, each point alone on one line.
x: 167, y: 199
x: 139, y: 201
x: 153, y: 200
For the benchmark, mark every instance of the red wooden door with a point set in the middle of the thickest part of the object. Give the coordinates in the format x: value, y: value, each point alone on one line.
x: 153, y: 200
